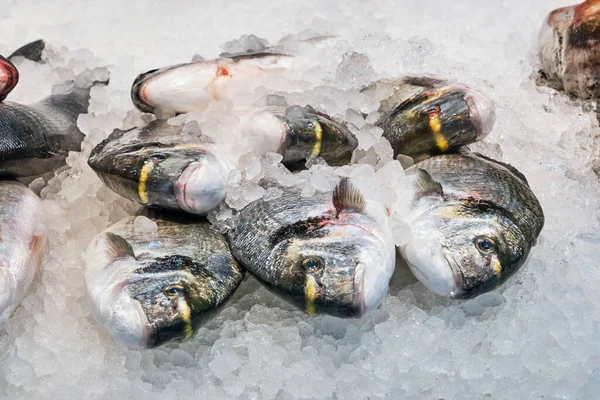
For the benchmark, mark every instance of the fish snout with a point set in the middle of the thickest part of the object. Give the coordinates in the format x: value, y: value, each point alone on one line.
x: 129, y: 324
x: 202, y: 185
x: 482, y: 112
x: 138, y: 93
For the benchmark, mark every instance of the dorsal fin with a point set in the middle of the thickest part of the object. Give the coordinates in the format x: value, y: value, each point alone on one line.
x: 509, y: 167
x: 31, y: 51
x: 425, y: 185
x: 347, y: 197
x: 117, y: 247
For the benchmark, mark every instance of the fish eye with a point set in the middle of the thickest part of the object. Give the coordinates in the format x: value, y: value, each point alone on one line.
x: 485, y: 245
x: 158, y: 156
x: 173, y: 290
x: 312, y: 264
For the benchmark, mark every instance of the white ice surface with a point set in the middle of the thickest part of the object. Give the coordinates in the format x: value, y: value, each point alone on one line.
x: 538, y: 337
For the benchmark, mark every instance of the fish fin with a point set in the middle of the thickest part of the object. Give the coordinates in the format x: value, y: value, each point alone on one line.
x: 509, y: 167
x: 31, y: 51
x: 117, y: 247
x: 347, y: 197
x: 425, y: 185
x: 250, y: 54
x: 423, y: 81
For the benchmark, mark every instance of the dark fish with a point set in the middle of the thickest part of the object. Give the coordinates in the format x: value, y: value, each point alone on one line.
x: 569, y: 49
x: 324, y: 254
x: 474, y: 221
x: 426, y: 116
x: 151, y: 287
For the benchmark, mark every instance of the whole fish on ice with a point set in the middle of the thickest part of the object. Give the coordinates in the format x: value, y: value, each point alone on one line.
x: 22, y: 243
x: 330, y: 254
x: 427, y: 116
x: 474, y: 221
x: 151, y: 287
x: 37, y: 138
x: 192, y: 86
x: 569, y: 49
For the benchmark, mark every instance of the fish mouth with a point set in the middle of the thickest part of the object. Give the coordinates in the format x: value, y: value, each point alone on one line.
x: 138, y: 91
x: 459, y: 279
x: 482, y: 112
x: 9, y: 77
x: 201, y: 186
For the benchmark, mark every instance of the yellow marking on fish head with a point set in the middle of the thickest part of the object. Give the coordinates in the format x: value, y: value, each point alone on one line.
x: 186, y: 315
x: 496, y: 266
x: 435, y: 124
x: 310, y: 292
x: 144, y: 174
x: 318, y: 130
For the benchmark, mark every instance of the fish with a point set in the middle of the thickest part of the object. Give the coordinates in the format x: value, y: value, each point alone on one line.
x: 9, y: 75
x: 569, y: 50
x: 298, y: 133
x: 326, y: 254
x: 22, y: 244
x: 189, y: 87
x: 154, y: 167
x: 474, y: 221
x: 427, y: 116
x: 150, y: 288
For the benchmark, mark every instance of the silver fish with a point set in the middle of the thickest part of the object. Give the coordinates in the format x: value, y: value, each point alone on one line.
x: 152, y: 287
x: 192, y: 86
x: 569, y: 49
x: 151, y: 165
x: 23, y: 239
x: 427, y: 116
x: 474, y: 221
x: 330, y: 254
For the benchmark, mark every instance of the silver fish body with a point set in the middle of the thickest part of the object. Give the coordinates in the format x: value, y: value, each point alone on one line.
x: 427, y: 116
x: 152, y: 165
x: 324, y: 254
x: 569, y: 49
x: 22, y: 246
x: 192, y: 86
x: 152, y: 287
x: 474, y: 222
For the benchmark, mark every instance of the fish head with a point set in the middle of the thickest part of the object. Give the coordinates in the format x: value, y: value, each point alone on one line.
x: 191, y: 178
x: 340, y: 268
x: 466, y: 249
x: 314, y: 134
x: 443, y: 117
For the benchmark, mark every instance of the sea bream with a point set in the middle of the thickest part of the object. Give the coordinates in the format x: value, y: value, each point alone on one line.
x: 23, y: 239
x: 37, y: 138
x: 155, y: 167
x: 474, y: 221
x: 428, y: 116
x: 569, y: 49
x: 149, y: 287
x: 329, y: 253
x: 192, y: 86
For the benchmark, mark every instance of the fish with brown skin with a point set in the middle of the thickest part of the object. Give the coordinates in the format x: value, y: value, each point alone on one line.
x: 426, y: 116
x: 151, y: 287
x: 569, y: 49
x: 329, y: 253
x: 23, y: 239
x: 474, y: 221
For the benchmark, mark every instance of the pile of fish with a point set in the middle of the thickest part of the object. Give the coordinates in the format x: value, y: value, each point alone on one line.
x: 158, y: 276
